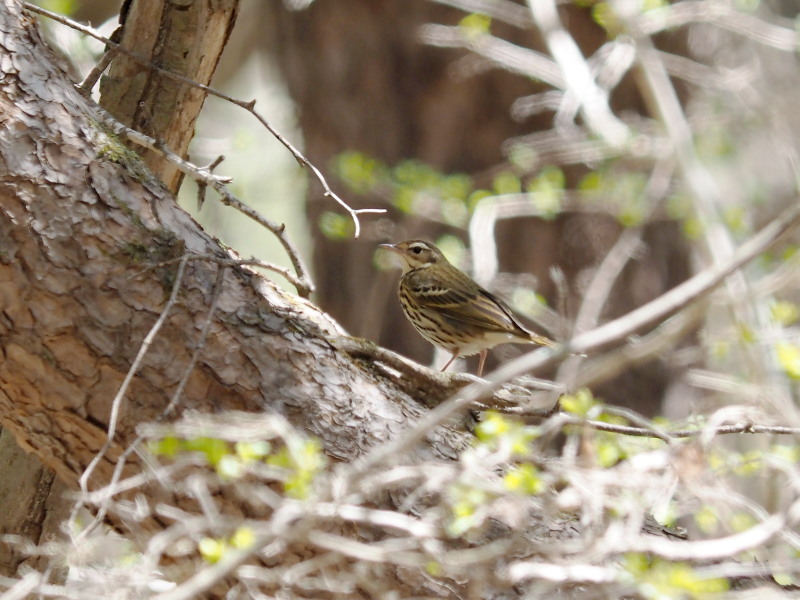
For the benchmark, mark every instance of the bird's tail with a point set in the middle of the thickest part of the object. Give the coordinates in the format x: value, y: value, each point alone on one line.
x: 542, y: 341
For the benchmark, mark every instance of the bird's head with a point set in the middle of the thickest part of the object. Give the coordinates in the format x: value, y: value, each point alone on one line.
x: 416, y: 254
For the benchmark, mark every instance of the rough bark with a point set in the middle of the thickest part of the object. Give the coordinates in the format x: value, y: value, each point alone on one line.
x: 31, y: 501
x: 81, y: 225
x: 184, y: 37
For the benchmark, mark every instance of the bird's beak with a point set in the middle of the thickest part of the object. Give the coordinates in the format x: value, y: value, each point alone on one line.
x: 398, y: 258
x: 391, y: 247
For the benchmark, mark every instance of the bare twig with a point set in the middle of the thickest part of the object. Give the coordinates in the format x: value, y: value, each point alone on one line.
x: 34, y: 584
x: 204, y: 177
x: 721, y: 14
x: 578, y: 77
x: 91, y: 79
x: 692, y: 289
x: 641, y: 349
x: 113, y: 488
x: 704, y: 550
x: 234, y: 262
x: 502, y: 10
x: 740, y: 428
x: 510, y: 56
x: 117, y: 401
x: 705, y: 193
x: 202, y: 185
x: 521, y: 571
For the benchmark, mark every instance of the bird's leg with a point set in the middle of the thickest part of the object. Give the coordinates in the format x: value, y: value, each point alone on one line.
x: 482, y: 360
x: 450, y: 362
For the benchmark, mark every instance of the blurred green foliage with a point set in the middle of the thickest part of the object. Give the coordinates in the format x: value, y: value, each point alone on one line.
x: 475, y: 24
x: 547, y: 191
x: 298, y: 461
x: 604, y: 14
x: 214, y: 549
x: 63, y: 7
x: 624, y: 192
x: 465, y: 502
x: 301, y: 462
x: 581, y: 404
x: 524, y: 479
x: 496, y: 429
x: 789, y: 359
x: 659, y: 579
x: 411, y: 186
x: 784, y: 313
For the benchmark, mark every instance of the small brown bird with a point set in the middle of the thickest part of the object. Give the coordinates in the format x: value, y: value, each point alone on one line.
x: 452, y: 311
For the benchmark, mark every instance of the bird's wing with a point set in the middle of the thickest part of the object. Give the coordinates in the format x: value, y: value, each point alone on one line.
x: 469, y: 304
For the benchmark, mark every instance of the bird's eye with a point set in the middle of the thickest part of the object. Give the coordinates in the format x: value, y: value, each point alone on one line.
x: 416, y: 249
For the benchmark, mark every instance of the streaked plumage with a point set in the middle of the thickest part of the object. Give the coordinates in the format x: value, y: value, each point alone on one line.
x: 452, y: 311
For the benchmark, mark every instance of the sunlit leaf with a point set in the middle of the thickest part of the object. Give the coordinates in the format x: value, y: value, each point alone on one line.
x: 212, y: 550
x: 789, y: 359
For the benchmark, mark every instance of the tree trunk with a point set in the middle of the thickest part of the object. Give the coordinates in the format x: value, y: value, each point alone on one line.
x: 185, y: 37
x: 89, y: 249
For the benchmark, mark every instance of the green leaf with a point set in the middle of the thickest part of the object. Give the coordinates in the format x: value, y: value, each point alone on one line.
x: 742, y: 522
x: 433, y: 568
x: 168, y: 446
x: 453, y: 248
x: 230, y: 467
x: 785, y: 453
x: 465, y: 501
x: 212, y: 550
x: 789, y: 359
x: 547, y: 191
x: 361, y: 173
x: 524, y: 479
x: 784, y: 312
x: 336, y: 226
x: 493, y: 425
x: 524, y: 157
x: 476, y: 197
x: 243, y: 538
x: 496, y: 430
x: 609, y: 452
x: 750, y: 463
x: 659, y: 579
x: 581, y: 403
x: 62, y: 7
x: 706, y: 519
x: 213, y: 449
x: 303, y: 461
x: 735, y: 218
x: 475, y: 24
x: 252, y: 451
x: 507, y: 183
